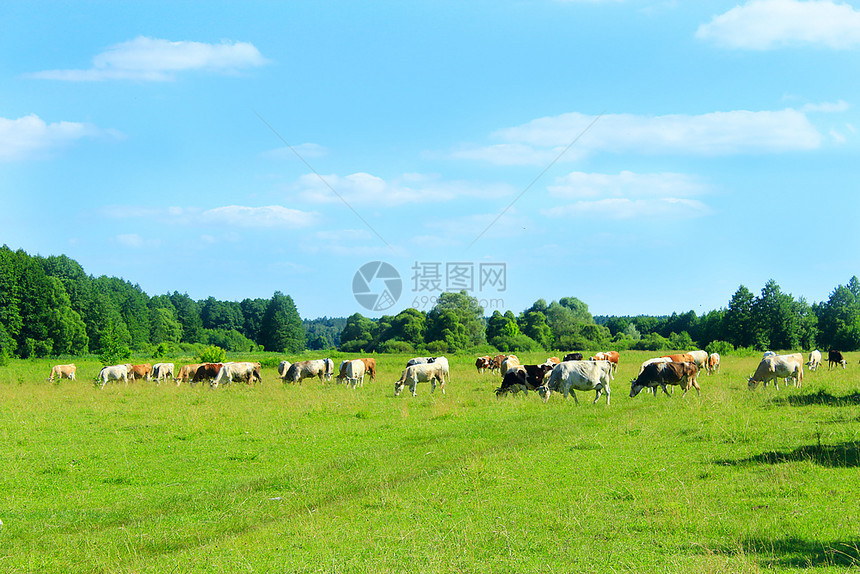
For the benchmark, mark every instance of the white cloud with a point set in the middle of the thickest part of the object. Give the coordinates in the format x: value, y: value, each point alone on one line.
x: 718, y: 133
x: 30, y: 136
x: 364, y: 189
x: 129, y: 240
x: 579, y: 185
x: 350, y: 242
x: 626, y: 208
x: 768, y: 24
x: 153, y: 59
x: 254, y: 217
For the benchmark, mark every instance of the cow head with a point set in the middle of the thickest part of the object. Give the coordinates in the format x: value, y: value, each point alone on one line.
x: 398, y: 386
x: 636, y: 388
x: 544, y: 392
x: 751, y: 383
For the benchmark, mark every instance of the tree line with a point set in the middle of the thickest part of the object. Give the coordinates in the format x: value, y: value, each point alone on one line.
x: 49, y: 306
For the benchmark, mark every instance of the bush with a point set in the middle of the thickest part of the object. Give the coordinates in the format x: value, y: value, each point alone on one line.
x: 720, y: 347
x: 518, y: 343
x: 396, y: 347
x: 212, y: 354
x: 437, y: 347
x: 163, y: 350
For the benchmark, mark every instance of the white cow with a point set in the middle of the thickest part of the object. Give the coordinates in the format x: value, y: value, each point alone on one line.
x: 654, y: 360
x: 162, y: 371
x: 700, y: 358
x: 306, y: 369
x: 814, y: 360
x: 414, y: 374
x: 578, y: 375
x: 713, y: 363
x: 768, y: 354
x: 283, y: 367
x: 777, y: 367
x: 509, y: 363
x: 354, y: 372
x: 329, y: 369
x: 244, y: 371
x: 113, y: 373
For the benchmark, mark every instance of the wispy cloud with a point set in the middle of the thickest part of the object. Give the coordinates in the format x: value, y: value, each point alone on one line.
x: 31, y: 137
x: 158, y: 60
x: 226, y: 217
x: 627, y: 195
x: 710, y: 134
x: 367, y: 189
x: 769, y: 24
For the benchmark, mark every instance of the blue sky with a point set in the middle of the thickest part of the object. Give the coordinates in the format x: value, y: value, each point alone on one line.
x: 645, y: 157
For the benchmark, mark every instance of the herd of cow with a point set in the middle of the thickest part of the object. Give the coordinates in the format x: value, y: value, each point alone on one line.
x: 573, y: 373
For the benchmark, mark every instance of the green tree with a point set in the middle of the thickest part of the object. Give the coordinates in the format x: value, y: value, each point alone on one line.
x: 738, y: 323
x: 534, y: 326
x: 281, y: 329
x: 464, y: 310
x: 776, y: 325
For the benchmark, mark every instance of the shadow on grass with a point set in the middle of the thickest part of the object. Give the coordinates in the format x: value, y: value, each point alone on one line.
x: 795, y: 552
x: 820, y: 397
x: 844, y: 455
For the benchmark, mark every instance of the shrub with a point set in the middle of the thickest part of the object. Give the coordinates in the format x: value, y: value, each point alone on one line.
x: 212, y: 354
x: 720, y: 347
x: 396, y: 347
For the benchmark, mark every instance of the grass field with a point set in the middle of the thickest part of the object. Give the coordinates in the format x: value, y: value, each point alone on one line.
x: 322, y: 478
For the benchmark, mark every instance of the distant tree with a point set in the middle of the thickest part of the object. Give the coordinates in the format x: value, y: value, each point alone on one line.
x: 188, y: 315
x: 776, y: 325
x: 460, y: 308
x: 281, y: 329
x: 252, y: 317
x: 738, y: 322
x: 357, y: 334
x: 533, y: 324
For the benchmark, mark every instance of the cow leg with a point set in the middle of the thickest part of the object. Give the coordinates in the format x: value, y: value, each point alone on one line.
x: 665, y: 390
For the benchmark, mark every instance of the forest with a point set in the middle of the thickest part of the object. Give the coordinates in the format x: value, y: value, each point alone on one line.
x: 50, y: 306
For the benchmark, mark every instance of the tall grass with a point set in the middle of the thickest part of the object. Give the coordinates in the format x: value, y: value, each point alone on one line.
x: 323, y: 478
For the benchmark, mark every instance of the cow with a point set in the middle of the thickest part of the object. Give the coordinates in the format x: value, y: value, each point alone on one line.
x: 353, y: 372
x: 370, y: 367
x: 768, y: 354
x: 113, y: 373
x: 662, y: 374
x: 162, y: 371
x: 496, y: 364
x: 283, y: 366
x: 525, y: 378
x: 482, y: 364
x: 511, y: 362
x: 713, y: 363
x: 776, y: 367
x: 186, y: 373
x: 552, y: 361
x: 329, y: 369
x: 207, y: 371
x: 814, y: 360
x: 414, y: 374
x: 654, y: 360
x: 139, y: 371
x: 420, y: 361
x: 700, y: 358
x: 247, y: 372
x: 835, y: 357
x: 63, y: 372
x: 568, y: 376
x: 305, y: 369
x: 572, y: 357
x: 611, y: 356
x: 680, y: 358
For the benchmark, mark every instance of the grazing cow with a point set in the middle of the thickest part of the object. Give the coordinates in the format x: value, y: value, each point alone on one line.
x: 496, y: 364
x: 776, y: 367
x: 414, y: 374
x: 246, y: 372
x: 139, y: 371
x: 370, y: 367
x: 63, y: 372
x: 329, y: 369
x: 768, y: 354
x: 552, y: 361
x: 572, y: 357
x: 420, y: 361
x: 283, y: 366
x: 353, y: 372
x: 701, y: 359
x: 113, y: 373
x: 306, y: 369
x: 187, y: 372
x: 814, y: 360
x: 207, y: 371
x: 835, y: 357
x: 162, y: 371
x: 651, y: 361
x: 525, y: 378
x: 482, y: 363
x: 509, y: 363
x: 611, y: 356
x: 680, y: 358
x: 713, y: 363
x: 568, y: 376
x: 663, y: 374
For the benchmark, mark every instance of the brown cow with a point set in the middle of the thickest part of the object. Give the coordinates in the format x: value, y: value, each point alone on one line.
x: 186, y: 373
x: 683, y: 358
x: 63, y: 372
x: 370, y: 367
x: 207, y: 371
x: 139, y: 371
x: 483, y: 363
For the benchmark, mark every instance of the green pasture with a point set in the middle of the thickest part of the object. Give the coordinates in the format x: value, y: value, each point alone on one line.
x: 323, y: 478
